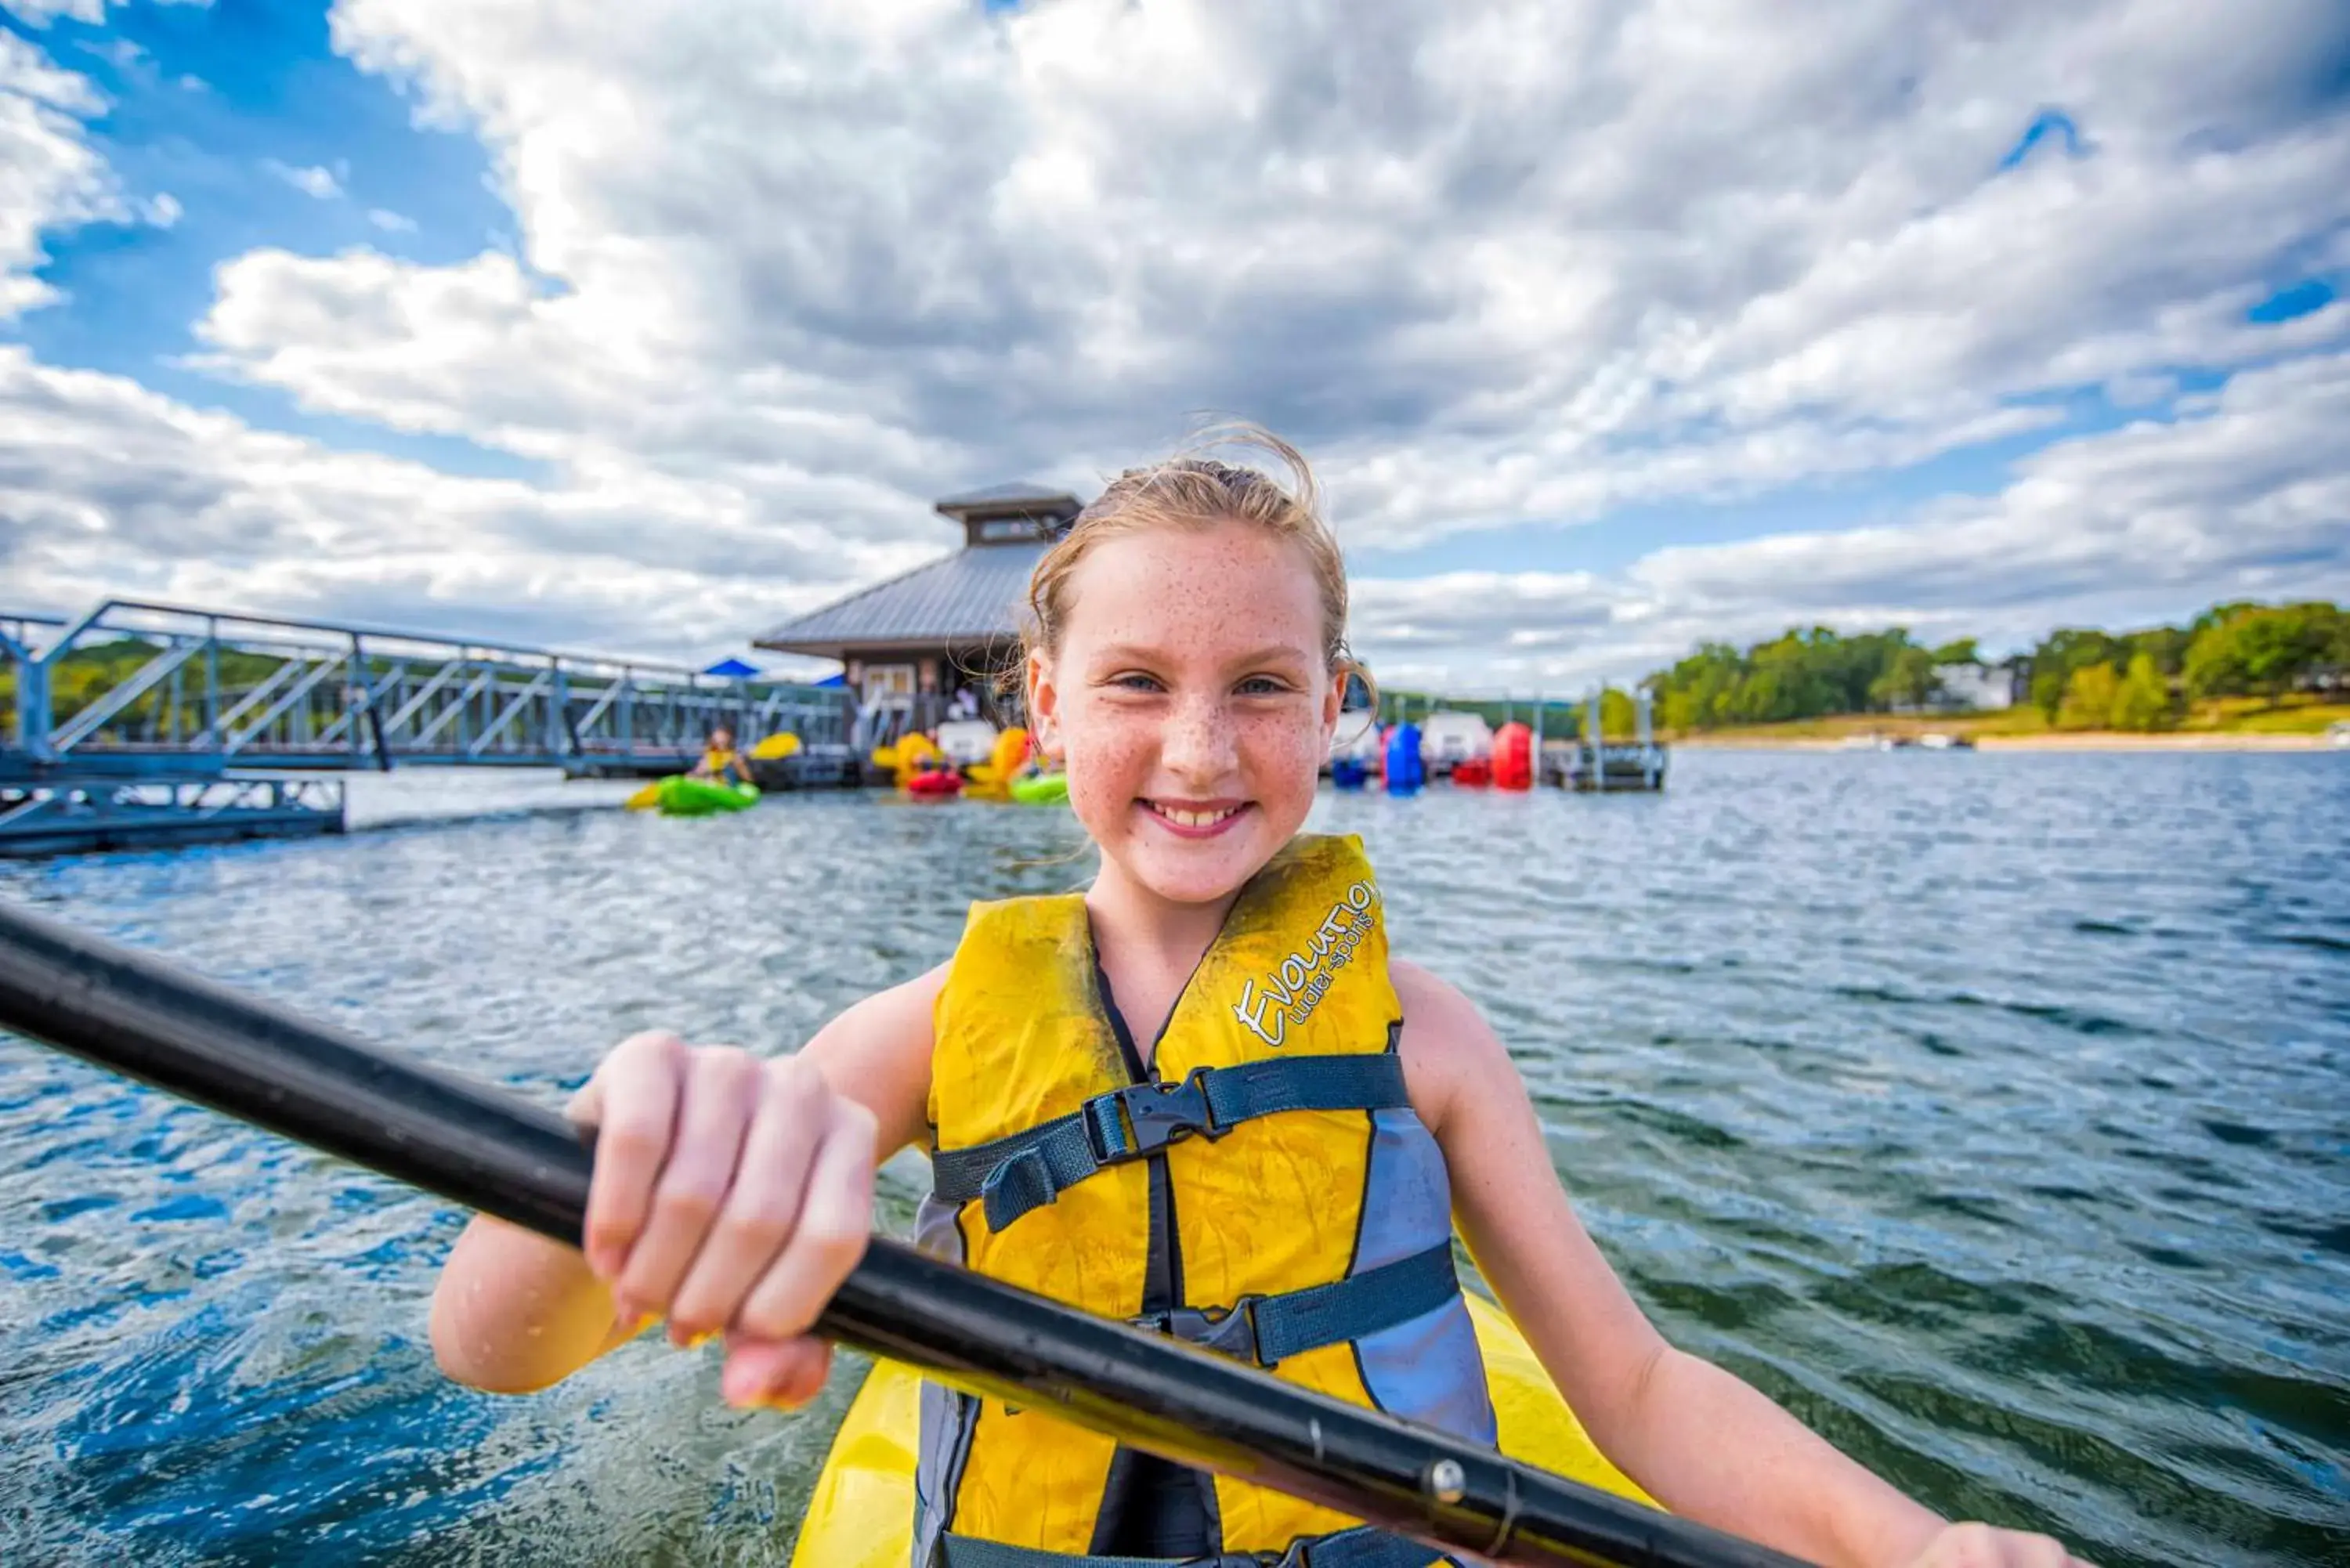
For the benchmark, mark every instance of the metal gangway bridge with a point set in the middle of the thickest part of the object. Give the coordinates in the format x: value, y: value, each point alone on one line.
x: 144, y: 723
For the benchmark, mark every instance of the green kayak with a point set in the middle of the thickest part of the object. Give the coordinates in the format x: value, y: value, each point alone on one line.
x: 1040, y: 789
x: 683, y: 796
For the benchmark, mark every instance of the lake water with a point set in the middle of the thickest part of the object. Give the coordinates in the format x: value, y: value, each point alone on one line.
x: 1991, y: 1111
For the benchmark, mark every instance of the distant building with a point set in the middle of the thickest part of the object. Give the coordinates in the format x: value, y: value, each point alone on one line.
x: 1983, y: 688
x: 909, y: 645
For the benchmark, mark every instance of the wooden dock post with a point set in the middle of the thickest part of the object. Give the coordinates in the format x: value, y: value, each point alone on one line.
x: 1594, y: 741
x: 1652, y: 758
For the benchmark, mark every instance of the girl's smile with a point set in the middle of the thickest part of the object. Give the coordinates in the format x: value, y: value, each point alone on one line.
x: 1201, y: 819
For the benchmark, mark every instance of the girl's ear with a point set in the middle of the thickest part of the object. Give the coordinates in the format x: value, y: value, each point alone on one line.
x: 1333, y: 701
x: 1044, y: 707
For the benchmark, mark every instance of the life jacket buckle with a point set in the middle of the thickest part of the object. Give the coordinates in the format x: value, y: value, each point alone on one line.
x: 1160, y: 1113
x: 1227, y: 1331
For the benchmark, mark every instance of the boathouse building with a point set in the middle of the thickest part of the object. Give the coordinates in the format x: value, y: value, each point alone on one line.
x: 911, y: 644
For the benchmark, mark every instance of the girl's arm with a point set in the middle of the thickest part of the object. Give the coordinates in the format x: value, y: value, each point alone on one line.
x: 1704, y: 1444
x: 730, y: 1194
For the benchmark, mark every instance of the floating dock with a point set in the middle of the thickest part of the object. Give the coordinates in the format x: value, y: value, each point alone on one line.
x: 1570, y: 764
x: 158, y: 813
x: 1591, y: 763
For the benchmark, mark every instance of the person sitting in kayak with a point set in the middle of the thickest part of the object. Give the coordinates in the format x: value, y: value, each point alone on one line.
x: 721, y: 762
x: 1199, y: 1094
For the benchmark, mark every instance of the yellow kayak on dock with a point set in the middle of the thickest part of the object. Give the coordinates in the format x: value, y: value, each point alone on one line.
x: 861, y: 1514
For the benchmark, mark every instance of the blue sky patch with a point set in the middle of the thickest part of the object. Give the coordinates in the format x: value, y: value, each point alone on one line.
x: 2048, y: 125
x: 242, y: 113
x: 2296, y: 300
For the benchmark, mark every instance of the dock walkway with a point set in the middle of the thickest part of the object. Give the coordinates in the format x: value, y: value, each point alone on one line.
x: 144, y: 723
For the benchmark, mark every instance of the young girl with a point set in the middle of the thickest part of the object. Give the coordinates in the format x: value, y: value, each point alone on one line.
x: 1199, y: 1094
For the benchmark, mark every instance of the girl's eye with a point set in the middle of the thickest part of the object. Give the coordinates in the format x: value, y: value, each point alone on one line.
x: 1262, y: 685
x: 1134, y: 681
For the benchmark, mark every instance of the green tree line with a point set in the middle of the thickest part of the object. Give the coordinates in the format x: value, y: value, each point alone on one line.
x: 85, y: 674
x: 2080, y: 678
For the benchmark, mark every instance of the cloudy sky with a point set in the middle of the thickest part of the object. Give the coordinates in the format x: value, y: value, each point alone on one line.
x: 1610, y: 326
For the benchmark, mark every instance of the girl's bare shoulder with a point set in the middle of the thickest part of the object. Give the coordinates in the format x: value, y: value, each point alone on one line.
x: 1449, y: 1049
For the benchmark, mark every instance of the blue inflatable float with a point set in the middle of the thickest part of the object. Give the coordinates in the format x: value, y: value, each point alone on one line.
x: 1405, y: 771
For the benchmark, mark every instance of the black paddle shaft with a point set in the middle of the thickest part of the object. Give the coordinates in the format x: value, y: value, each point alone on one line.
x: 498, y: 1154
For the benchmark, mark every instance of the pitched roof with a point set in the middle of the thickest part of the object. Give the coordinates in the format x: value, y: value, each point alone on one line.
x: 972, y: 596
x: 1022, y: 496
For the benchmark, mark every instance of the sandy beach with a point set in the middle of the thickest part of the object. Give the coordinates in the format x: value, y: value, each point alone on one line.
x: 2083, y: 740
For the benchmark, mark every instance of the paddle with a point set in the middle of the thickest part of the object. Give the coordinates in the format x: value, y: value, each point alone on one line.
x: 503, y: 1155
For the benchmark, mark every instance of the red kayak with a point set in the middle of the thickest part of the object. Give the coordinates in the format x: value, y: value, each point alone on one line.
x: 941, y: 785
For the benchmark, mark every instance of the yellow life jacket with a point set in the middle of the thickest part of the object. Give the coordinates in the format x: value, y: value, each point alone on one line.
x: 725, y: 767
x: 1265, y: 1189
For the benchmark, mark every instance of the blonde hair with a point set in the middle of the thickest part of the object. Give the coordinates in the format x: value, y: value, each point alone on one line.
x: 1194, y: 490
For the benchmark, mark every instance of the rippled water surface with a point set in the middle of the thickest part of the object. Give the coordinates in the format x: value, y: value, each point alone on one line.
x: 1992, y: 1111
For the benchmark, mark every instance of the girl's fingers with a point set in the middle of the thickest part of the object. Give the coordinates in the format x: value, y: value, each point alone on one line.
x: 836, y: 1221
x: 632, y: 1101
x: 784, y: 1371
x: 1973, y: 1544
x: 719, y: 1094
x: 2038, y: 1551
x: 769, y: 1182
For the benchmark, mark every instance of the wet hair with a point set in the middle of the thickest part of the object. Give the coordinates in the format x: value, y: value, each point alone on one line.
x: 1194, y: 490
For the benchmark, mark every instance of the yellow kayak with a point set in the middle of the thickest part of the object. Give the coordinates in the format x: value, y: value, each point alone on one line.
x: 862, y: 1512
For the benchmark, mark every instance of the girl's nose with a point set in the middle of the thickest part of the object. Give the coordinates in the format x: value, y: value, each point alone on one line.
x: 1198, y: 745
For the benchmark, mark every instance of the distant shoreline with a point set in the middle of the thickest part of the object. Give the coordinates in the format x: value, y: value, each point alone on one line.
x: 2296, y: 723
x: 2075, y: 741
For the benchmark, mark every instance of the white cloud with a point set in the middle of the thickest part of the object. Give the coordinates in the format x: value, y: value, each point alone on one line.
x: 2149, y: 521
x: 390, y: 221
x: 314, y: 182
x: 777, y: 273
x: 51, y: 178
x: 1489, y: 264
x: 106, y: 487
x: 41, y: 12
x: 162, y: 210
x: 2252, y: 498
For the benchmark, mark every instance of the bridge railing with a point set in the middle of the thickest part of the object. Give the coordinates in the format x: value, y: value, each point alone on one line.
x: 142, y: 688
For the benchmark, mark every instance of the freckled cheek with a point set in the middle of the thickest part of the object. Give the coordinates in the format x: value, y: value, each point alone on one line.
x: 1106, y: 752
x: 1281, y: 749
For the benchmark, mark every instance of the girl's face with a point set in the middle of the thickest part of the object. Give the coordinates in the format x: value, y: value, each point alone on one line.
x: 1192, y: 702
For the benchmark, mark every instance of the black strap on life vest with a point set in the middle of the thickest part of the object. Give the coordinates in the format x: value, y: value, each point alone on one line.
x: 1269, y: 1330
x: 1361, y: 1547
x: 1029, y: 1169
